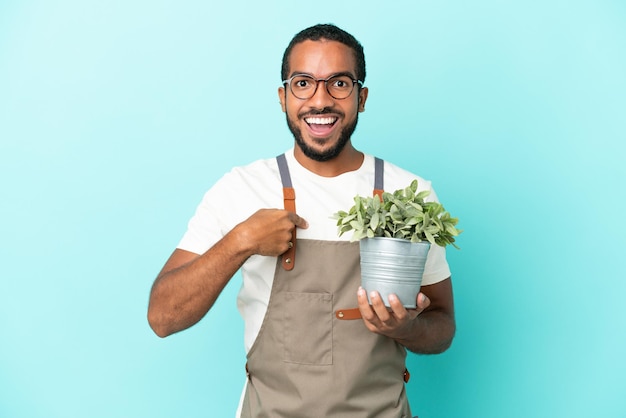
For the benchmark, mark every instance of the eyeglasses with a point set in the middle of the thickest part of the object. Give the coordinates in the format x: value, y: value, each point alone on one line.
x: 338, y: 86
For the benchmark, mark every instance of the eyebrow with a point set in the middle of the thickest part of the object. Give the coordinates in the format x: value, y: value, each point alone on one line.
x: 341, y: 73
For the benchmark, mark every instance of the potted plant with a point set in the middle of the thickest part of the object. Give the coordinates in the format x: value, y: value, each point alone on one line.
x: 395, y: 232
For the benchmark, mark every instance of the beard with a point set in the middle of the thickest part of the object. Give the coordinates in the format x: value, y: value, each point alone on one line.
x: 328, y: 154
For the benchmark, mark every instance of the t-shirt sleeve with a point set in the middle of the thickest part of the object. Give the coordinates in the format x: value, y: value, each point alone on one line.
x: 437, y: 268
x: 208, y: 224
x: 202, y: 229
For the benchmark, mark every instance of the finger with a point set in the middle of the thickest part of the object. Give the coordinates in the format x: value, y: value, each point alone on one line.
x: 379, y: 307
x: 364, y: 305
x: 298, y: 221
x: 397, y: 307
x: 423, y: 301
x: 361, y: 297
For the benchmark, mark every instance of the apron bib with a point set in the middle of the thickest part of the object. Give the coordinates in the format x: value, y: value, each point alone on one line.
x: 308, y: 362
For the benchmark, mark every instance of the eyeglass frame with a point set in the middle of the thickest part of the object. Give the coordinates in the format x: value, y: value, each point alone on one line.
x: 355, y: 82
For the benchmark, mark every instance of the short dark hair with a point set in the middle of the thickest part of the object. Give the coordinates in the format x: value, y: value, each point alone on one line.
x: 329, y: 32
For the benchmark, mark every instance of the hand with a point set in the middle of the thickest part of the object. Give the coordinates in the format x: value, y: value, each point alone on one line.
x: 395, y: 322
x: 268, y: 231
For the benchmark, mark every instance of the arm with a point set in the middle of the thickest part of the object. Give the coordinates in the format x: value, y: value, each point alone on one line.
x: 429, y: 329
x: 189, y: 284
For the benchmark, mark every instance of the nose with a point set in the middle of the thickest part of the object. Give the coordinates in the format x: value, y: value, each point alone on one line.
x: 321, y: 99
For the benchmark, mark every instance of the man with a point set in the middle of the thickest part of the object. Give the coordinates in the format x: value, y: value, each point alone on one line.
x: 303, y: 359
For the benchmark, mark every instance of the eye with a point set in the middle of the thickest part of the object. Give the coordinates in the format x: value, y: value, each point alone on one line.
x: 302, y: 83
x: 340, y: 83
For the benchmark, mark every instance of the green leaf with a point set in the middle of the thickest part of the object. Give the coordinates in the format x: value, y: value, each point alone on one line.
x: 357, y: 225
x: 430, y: 238
x: 422, y: 195
x: 374, y: 221
x: 450, y: 229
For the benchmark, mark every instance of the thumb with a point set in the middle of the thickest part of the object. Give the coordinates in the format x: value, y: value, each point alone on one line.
x: 423, y: 301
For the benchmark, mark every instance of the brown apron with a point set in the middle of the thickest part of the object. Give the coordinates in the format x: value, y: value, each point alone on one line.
x: 306, y: 361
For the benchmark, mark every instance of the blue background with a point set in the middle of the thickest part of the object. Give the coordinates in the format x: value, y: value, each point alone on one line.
x: 116, y: 116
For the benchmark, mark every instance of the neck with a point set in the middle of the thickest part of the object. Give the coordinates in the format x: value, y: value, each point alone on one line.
x: 349, y: 159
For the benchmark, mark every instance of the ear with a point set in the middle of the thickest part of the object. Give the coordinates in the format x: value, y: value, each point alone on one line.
x: 363, y: 98
x: 282, y: 98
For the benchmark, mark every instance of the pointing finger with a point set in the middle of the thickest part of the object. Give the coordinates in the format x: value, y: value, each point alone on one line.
x: 298, y: 221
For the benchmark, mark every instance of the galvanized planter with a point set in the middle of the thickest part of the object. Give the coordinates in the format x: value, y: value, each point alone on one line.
x: 393, y: 265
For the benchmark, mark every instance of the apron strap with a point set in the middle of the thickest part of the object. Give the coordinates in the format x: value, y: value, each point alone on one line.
x: 348, y: 314
x: 379, y: 176
x: 289, y: 201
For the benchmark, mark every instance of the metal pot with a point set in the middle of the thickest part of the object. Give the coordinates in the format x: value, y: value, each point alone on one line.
x: 393, y: 265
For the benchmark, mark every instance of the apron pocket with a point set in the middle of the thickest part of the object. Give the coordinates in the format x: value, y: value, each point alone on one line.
x: 308, y: 328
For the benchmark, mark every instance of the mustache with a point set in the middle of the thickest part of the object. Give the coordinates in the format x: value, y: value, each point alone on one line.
x: 318, y: 112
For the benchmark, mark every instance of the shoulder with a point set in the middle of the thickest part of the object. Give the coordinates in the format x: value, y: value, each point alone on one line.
x: 257, y: 175
x: 398, y: 178
x: 244, y: 189
x: 263, y: 167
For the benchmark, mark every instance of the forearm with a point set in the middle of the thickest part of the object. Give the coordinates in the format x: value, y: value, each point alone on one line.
x: 183, y: 294
x: 189, y: 285
x: 431, y: 332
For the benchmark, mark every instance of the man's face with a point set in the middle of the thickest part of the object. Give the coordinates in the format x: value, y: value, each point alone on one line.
x: 322, y: 125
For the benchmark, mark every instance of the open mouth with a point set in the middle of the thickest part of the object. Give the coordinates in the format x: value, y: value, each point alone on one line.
x: 321, y: 125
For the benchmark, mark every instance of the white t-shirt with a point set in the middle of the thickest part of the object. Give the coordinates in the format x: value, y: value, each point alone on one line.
x: 244, y: 190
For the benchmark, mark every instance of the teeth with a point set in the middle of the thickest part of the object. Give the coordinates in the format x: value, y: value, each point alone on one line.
x: 320, y: 121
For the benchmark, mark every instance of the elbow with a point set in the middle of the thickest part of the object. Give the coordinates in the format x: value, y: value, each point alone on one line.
x: 444, y: 346
x: 438, y: 348
x: 442, y: 342
x: 157, y: 324
x: 160, y: 332
x: 447, y: 343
